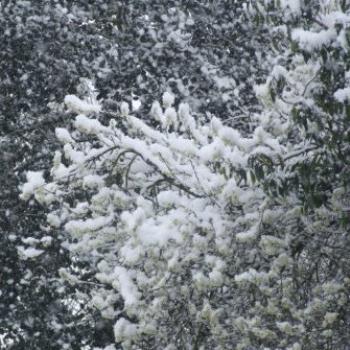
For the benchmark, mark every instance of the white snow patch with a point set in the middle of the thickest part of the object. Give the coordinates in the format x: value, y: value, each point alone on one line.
x: 29, y: 253
x: 136, y: 105
x: 30, y: 241
x: 342, y: 95
x: 292, y: 5
x: 126, y: 286
x: 124, y: 330
x: 75, y: 104
x: 168, y: 99
x: 247, y: 276
x: 86, y: 125
x: 310, y: 41
x: 75, y: 227
x: 34, y: 181
x: 63, y: 135
x: 46, y: 241
x: 248, y: 235
x: 93, y: 181
x: 124, y: 109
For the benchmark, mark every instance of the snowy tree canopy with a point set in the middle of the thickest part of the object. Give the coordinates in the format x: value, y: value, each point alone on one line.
x: 195, y: 192
x: 133, y: 51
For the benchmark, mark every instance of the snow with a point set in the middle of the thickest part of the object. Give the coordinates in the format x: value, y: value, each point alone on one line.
x: 262, y: 92
x: 76, y: 156
x: 342, y: 95
x: 291, y: 5
x: 109, y: 347
x: 63, y: 135
x: 65, y: 275
x: 168, y: 99
x: 335, y: 17
x: 34, y: 181
x: 342, y: 40
x: 93, y: 181
x: 184, y: 111
x: 216, y: 278
x: 126, y: 286
x: 76, y: 105
x: 87, y: 125
x: 230, y: 136
x: 200, y: 280
x: 30, y: 240
x: 285, y: 327
x: 124, y: 109
x: 170, y: 116
x: 60, y: 171
x: 270, y: 245
x: 46, y: 241
x: 246, y: 276
x: 29, y: 253
x: 248, y: 235
x: 224, y: 82
x: 212, y: 151
x: 329, y: 318
x: 310, y: 41
x: 157, y: 232
x: 131, y: 254
x: 136, y: 104
x: 185, y: 206
x: 181, y: 145
x: 124, y: 329
x: 156, y: 111
x: 76, y: 227
x: 168, y: 198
